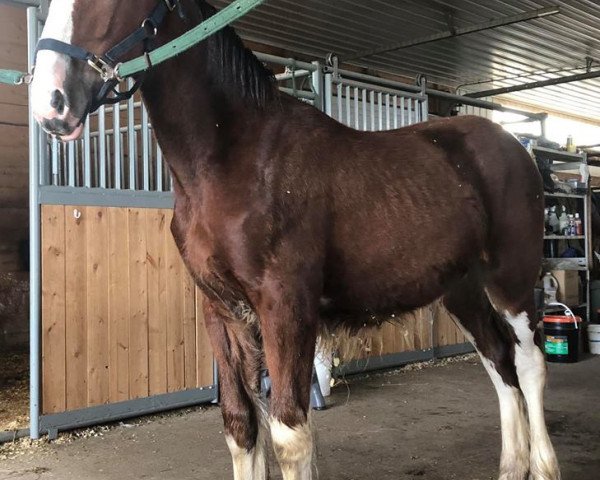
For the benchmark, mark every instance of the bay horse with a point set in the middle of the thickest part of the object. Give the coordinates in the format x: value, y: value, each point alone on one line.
x: 292, y: 224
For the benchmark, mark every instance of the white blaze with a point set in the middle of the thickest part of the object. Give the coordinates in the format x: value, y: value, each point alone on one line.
x: 51, y: 67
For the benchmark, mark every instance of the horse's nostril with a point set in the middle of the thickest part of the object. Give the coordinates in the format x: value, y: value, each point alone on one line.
x: 57, y: 102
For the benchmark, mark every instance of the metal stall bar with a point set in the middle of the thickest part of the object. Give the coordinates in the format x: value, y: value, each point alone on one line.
x: 131, y: 139
x: 146, y: 148
x: 34, y: 245
x: 372, y: 104
x: 317, y: 85
x: 102, y: 146
x: 348, y: 106
x: 364, y: 105
x: 356, y: 109
x: 117, y: 182
x: 328, y: 92
x: 87, y: 157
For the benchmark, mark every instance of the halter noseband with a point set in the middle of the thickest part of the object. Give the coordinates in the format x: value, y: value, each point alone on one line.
x: 107, y: 65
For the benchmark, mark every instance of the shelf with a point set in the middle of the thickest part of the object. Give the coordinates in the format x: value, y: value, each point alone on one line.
x: 564, y: 237
x: 560, y: 155
x: 564, y: 195
x: 566, y: 263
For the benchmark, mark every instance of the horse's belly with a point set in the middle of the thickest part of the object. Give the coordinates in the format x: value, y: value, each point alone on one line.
x: 398, y: 277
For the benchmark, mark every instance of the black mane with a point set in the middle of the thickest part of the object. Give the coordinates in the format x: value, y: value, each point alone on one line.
x: 234, y: 66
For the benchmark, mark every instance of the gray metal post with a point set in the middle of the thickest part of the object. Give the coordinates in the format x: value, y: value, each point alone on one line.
x: 425, y: 102
x: 317, y: 82
x: 34, y: 245
x: 328, y: 94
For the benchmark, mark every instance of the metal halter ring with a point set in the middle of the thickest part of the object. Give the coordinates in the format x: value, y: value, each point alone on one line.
x: 150, y: 27
x: 171, y: 4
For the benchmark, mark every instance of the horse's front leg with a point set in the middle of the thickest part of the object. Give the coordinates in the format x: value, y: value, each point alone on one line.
x: 237, y: 352
x: 289, y: 329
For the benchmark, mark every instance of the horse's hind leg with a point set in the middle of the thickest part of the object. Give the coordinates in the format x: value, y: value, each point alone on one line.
x: 518, y: 310
x: 237, y: 353
x: 488, y: 332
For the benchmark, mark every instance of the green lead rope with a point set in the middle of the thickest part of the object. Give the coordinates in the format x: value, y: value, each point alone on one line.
x: 13, y: 77
x: 209, y: 27
x: 189, y: 39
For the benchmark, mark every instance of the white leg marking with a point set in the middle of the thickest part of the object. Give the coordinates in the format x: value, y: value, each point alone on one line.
x: 249, y: 465
x: 514, y: 461
x: 294, y: 449
x: 531, y: 369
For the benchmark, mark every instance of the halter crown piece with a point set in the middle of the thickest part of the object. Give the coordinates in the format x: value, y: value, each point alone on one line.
x: 107, y: 65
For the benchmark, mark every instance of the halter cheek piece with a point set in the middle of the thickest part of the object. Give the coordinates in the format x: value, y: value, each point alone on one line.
x: 107, y: 65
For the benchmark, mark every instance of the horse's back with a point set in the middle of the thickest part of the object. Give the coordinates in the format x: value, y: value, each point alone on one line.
x: 416, y: 208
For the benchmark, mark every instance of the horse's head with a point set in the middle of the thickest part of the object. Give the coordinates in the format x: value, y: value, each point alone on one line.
x: 66, y: 87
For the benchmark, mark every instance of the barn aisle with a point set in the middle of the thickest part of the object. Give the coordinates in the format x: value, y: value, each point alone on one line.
x: 435, y: 424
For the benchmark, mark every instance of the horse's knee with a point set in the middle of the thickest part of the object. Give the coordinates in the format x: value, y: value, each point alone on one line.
x: 293, y: 447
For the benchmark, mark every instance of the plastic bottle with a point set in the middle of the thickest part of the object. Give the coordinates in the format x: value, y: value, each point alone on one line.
x: 578, y: 225
x: 571, y: 145
x: 554, y: 223
x: 547, y: 226
x: 550, y: 288
x: 563, y: 222
x: 571, y: 229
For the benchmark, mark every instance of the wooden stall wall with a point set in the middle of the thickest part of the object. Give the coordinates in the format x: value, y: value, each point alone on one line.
x: 13, y: 140
x: 121, y: 317
x: 428, y: 328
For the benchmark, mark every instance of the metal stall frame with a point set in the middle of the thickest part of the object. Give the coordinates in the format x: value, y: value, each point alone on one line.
x: 46, y: 189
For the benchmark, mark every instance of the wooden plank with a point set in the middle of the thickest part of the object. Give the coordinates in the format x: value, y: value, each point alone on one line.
x: 53, y: 310
x: 97, y: 230
x: 157, y: 308
x: 76, y: 306
x: 423, y: 339
x: 138, y: 305
x: 204, y: 350
x: 394, y: 338
x: 409, y: 333
x: 118, y: 304
x: 175, y: 340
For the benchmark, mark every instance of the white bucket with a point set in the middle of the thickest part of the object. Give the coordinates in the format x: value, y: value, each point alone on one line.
x: 323, y: 364
x: 594, y: 338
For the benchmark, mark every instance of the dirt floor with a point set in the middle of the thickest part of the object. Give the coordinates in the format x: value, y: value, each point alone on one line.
x: 433, y: 424
x: 14, y: 391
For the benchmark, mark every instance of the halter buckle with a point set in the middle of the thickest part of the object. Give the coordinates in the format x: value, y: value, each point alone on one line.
x: 103, y: 68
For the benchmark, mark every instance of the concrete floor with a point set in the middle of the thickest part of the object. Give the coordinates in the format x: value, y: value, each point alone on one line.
x: 435, y: 424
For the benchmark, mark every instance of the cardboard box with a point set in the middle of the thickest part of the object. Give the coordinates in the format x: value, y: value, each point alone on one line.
x: 568, y: 287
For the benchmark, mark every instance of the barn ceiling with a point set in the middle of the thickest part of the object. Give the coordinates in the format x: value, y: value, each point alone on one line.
x: 539, y: 49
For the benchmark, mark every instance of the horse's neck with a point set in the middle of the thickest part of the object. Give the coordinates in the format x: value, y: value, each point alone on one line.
x: 193, y: 115
x: 184, y: 119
